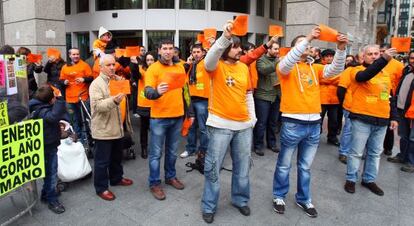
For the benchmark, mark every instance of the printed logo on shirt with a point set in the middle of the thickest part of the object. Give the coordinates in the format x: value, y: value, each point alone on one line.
x: 230, y: 81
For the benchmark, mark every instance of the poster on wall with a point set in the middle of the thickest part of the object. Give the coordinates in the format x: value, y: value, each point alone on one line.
x: 2, y: 79
x: 11, y: 82
x: 20, y: 67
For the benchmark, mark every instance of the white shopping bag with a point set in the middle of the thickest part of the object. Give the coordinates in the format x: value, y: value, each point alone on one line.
x: 73, y: 163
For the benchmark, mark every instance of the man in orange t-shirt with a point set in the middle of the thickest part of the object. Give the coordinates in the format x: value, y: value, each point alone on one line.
x: 166, y: 120
x: 76, y: 76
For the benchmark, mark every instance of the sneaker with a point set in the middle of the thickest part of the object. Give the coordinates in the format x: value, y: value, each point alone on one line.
x: 395, y: 159
x: 349, y: 186
x: 373, y: 187
x: 245, y: 210
x: 185, y: 154
x: 259, y: 152
x: 408, y: 168
x: 308, y: 208
x: 56, y: 207
x: 275, y: 149
x: 208, y: 217
x: 279, y: 206
x: 387, y: 152
x: 343, y: 159
x: 136, y: 115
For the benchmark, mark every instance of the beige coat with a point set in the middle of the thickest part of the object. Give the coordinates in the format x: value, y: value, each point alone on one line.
x: 106, y: 116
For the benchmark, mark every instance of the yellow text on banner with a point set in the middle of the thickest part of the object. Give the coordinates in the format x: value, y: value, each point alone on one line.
x: 4, y: 116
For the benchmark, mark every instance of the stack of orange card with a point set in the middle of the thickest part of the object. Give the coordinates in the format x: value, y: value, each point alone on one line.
x: 52, y: 52
x: 132, y: 51
x: 328, y: 34
x: 34, y: 58
x: 119, y: 53
x: 275, y: 30
x: 283, y: 51
x: 240, y: 25
x: 402, y: 44
x: 119, y: 86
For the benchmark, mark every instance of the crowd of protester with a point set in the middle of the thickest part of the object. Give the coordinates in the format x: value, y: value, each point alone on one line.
x: 239, y: 98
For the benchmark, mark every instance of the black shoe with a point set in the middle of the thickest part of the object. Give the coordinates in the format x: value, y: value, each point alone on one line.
x: 259, y: 152
x: 144, y: 152
x: 308, y: 208
x: 279, y: 206
x: 373, y: 187
x: 343, y: 159
x: 245, y: 210
x: 43, y: 200
x: 56, y: 207
x: 275, y: 149
x: 395, y: 159
x: 407, y: 168
x: 387, y: 152
x: 338, y: 132
x: 334, y: 142
x: 208, y: 217
x: 349, y: 187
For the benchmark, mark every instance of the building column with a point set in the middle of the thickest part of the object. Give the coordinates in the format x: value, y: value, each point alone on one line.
x: 338, y: 17
x: 302, y: 16
x: 35, y: 24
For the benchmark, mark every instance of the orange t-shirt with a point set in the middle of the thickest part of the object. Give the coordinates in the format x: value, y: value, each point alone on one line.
x: 99, y: 44
x: 202, y: 87
x: 96, y: 69
x: 300, y: 91
x: 229, y: 85
x: 142, y: 100
x: 254, y: 76
x: 170, y: 104
x: 395, y: 69
x: 328, y: 90
x: 73, y: 89
x: 372, y: 97
x: 345, y: 81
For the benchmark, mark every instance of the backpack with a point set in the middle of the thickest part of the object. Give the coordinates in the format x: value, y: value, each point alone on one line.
x: 198, y: 164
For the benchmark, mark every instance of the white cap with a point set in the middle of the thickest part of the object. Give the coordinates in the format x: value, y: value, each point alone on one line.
x: 102, y: 31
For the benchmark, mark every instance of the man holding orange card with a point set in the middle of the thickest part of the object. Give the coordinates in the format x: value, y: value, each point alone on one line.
x: 166, y: 120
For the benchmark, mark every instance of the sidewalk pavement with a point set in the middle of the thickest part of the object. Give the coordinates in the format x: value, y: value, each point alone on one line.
x: 135, y: 205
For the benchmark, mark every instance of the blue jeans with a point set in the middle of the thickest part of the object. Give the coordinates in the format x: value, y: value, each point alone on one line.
x: 346, y: 139
x: 304, y: 138
x: 201, y: 114
x: 240, y: 144
x: 369, y: 137
x: 49, y: 192
x: 74, y: 110
x: 163, y: 131
x: 407, y: 141
x: 267, y: 114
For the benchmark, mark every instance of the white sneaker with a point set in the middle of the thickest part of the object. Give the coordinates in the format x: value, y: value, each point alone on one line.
x: 185, y: 154
x: 136, y: 115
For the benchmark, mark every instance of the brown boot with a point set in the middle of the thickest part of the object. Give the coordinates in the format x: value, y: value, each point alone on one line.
x: 175, y: 183
x: 157, y: 192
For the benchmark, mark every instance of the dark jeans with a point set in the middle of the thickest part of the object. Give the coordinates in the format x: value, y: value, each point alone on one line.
x: 108, y: 157
x: 134, y: 96
x: 340, y: 117
x: 332, y: 110
x: 267, y: 114
x: 74, y: 110
x: 389, y: 139
x: 143, y: 130
x: 407, y: 141
x: 199, y: 124
x: 51, y: 165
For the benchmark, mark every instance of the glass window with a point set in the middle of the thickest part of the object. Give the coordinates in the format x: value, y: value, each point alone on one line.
x: 281, y: 10
x: 160, y: 4
x: 260, y: 39
x: 192, y: 4
x: 127, y: 38
x: 68, y: 42
x: 67, y: 7
x: 239, y: 6
x: 83, y: 6
x: 83, y: 45
x: 187, y: 38
x: 154, y: 37
x: 260, y: 7
x: 272, y: 9
x: 118, y: 4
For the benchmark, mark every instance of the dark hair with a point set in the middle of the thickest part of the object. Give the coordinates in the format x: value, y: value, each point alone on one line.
x: 248, y: 46
x: 6, y: 49
x: 23, y: 51
x: 72, y: 49
x: 165, y: 42
x: 385, y: 45
x: 44, y: 94
x: 353, y: 57
x: 235, y: 43
x: 197, y: 46
x: 293, y: 43
x: 144, y: 63
x: 328, y: 52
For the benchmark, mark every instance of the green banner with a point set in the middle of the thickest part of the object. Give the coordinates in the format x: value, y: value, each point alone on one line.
x: 4, y: 116
x: 21, y: 154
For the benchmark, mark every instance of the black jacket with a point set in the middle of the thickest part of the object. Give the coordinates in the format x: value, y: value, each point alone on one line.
x: 407, y: 70
x: 52, y: 69
x: 51, y: 115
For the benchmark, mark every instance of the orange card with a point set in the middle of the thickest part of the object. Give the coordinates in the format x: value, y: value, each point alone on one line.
x: 132, y: 51
x: 210, y: 33
x: 275, y: 30
x: 283, y: 51
x: 402, y: 44
x: 206, y: 44
x: 174, y: 80
x: 328, y: 34
x: 186, y: 126
x: 34, y: 58
x: 119, y: 86
x: 52, y: 52
x: 200, y: 38
x: 240, y: 25
x: 119, y: 53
